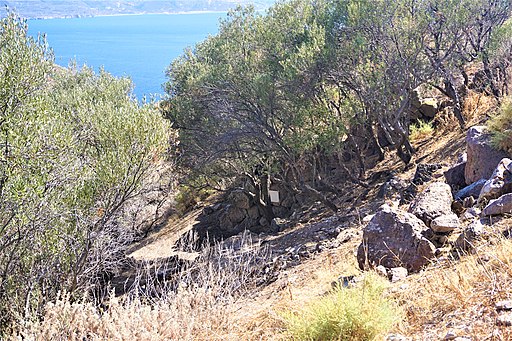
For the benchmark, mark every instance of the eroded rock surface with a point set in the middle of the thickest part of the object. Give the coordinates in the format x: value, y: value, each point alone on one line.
x: 434, y: 201
x: 482, y: 157
x: 395, y: 239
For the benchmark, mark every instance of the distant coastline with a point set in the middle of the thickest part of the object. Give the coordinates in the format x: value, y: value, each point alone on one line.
x: 44, y: 9
x: 122, y: 15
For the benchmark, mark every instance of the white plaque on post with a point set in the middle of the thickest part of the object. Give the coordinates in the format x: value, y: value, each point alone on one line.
x: 274, y: 197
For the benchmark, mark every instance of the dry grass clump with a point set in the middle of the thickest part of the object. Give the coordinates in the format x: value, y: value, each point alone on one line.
x: 461, y: 295
x: 194, y: 303
x: 477, y: 106
x: 190, y: 315
x: 421, y: 130
x: 361, y: 312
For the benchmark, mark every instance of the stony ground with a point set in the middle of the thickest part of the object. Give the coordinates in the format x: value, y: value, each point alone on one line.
x: 452, y: 299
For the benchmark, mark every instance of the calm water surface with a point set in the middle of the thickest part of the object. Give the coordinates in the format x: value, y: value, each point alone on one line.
x: 138, y: 46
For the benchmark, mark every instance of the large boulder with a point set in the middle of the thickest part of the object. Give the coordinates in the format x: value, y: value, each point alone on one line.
x: 394, y: 238
x: 482, y: 157
x: 240, y: 199
x: 499, y: 206
x: 434, y: 201
x: 499, y: 183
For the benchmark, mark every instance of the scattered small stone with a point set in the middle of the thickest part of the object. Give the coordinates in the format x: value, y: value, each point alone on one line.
x: 469, y: 236
x: 472, y: 213
x: 504, y: 305
x: 367, y: 218
x: 397, y: 274
x: 469, y: 202
x: 451, y: 335
x: 445, y: 223
x: 381, y: 271
x: 343, y: 282
x: 504, y: 319
x: 397, y: 337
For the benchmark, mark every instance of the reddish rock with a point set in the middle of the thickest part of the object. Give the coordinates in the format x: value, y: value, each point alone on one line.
x: 395, y: 239
x: 482, y: 157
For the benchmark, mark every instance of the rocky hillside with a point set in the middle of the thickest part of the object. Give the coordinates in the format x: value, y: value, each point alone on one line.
x: 65, y: 9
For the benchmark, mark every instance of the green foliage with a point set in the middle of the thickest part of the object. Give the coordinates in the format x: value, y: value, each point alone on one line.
x: 420, y: 130
x: 75, y: 147
x: 243, y: 94
x: 358, y: 313
x: 187, y: 197
x: 500, y: 126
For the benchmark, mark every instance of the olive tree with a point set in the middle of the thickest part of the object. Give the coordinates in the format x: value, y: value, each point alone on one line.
x: 75, y: 147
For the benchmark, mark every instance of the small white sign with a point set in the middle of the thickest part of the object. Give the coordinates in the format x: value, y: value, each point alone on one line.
x: 274, y: 197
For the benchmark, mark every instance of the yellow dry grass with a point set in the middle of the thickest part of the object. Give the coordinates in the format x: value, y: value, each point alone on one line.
x: 459, y: 296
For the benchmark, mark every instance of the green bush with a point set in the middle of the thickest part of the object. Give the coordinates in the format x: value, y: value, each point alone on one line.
x: 500, y: 126
x: 75, y: 147
x: 358, y: 313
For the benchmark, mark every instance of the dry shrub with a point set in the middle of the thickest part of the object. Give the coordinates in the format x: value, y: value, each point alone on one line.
x: 477, y: 106
x: 421, y: 130
x: 194, y: 304
x: 460, y: 294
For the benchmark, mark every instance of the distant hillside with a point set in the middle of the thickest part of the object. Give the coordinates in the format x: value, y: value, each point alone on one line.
x: 84, y: 8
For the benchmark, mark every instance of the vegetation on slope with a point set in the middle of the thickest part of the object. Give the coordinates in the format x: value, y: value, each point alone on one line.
x: 358, y: 313
x: 311, y: 89
x: 75, y: 148
x: 316, y: 88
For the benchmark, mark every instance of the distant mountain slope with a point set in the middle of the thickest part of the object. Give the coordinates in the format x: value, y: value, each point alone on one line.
x: 83, y: 8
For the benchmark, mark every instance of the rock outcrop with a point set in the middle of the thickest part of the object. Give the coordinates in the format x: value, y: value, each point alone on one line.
x: 482, y: 157
x: 395, y: 239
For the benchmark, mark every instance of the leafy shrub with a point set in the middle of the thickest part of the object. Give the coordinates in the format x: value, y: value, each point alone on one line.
x: 358, y: 313
x: 75, y: 148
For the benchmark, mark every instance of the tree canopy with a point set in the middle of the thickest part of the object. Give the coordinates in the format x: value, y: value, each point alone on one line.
x: 312, y: 85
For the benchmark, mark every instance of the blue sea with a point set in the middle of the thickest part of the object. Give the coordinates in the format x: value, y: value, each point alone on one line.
x: 138, y: 46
